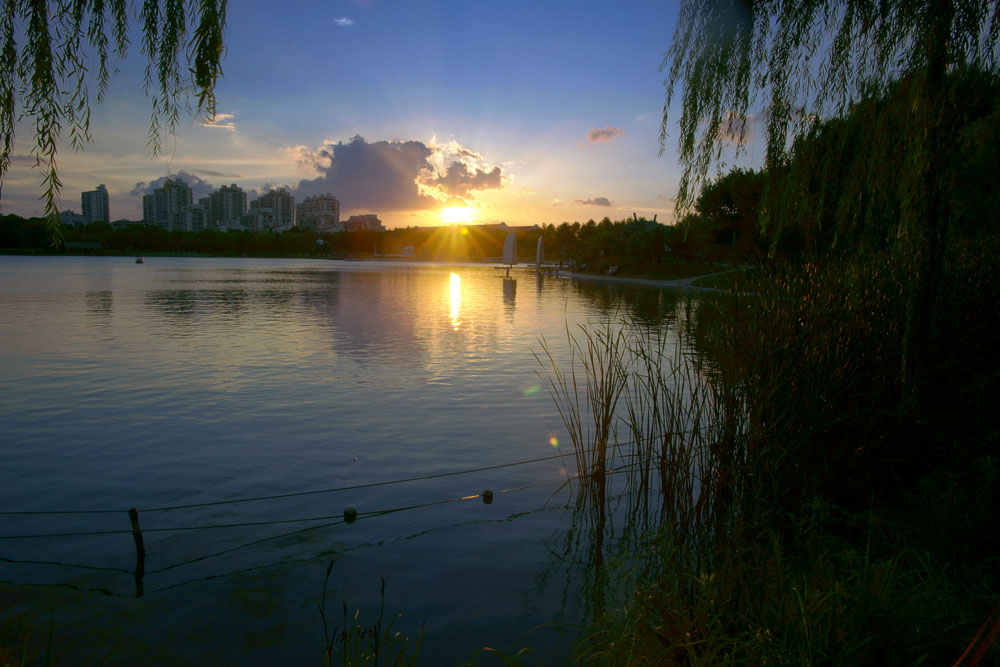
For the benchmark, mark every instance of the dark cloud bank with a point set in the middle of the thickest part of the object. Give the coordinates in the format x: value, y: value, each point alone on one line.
x: 383, y: 175
x: 596, y: 201
x: 607, y: 134
x: 199, y: 187
x: 379, y: 176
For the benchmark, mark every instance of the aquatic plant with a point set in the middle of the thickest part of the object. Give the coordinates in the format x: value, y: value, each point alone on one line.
x: 781, y: 503
x: 356, y: 643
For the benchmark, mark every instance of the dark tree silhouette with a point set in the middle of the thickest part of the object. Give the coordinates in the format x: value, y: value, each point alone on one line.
x: 787, y: 64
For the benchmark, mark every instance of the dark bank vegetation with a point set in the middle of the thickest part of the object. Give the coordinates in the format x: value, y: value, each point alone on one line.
x: 782, y: 504
x: 808, y: 479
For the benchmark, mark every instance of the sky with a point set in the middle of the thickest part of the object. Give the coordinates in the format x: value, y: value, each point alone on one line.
x: 424, y: 113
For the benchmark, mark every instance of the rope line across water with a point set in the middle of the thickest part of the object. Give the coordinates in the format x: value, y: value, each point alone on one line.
x: 279, y: 496
x: 361, y: 515
x: 285, y: 495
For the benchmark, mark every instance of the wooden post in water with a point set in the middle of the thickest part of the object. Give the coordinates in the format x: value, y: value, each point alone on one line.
x: 140, y: 551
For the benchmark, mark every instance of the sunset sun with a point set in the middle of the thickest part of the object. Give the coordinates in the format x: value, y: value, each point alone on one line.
x: 458, y: 215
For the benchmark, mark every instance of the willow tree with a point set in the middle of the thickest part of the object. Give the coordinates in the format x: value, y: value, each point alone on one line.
x: 54, y: 51
x: 781, y: 66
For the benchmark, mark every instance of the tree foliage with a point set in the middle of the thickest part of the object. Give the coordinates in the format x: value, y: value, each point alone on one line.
x: 840, y: 188
x: 783, y: 65
x: 798, y: 61
x: 54, y: 51
x: 729, y: 205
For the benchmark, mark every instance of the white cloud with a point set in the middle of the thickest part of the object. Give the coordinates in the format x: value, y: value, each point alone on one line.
x: 222, y: 121
x: 343, y: 22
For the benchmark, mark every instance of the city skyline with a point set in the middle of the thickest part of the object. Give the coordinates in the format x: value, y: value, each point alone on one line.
x: 525, y: 114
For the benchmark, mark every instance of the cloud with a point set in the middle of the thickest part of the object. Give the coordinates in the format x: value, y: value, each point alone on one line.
x: 396, y: 176
x: 596, y: 201
x: 209, y: 172
x: 459, y: 180
x: 607, y: 134
x: 343, y: 22
x: 199, y: 187
x: 733, y: 128
x: 223, y: 121
x: 22, y: 160
x: 381, y: 176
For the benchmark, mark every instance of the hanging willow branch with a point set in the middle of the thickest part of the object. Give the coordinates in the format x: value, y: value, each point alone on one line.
x: 782, y: 65
x: 49, y: 50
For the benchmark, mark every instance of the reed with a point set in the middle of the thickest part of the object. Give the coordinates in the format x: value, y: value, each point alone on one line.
x: 773, y: 478
x: 356, y: 643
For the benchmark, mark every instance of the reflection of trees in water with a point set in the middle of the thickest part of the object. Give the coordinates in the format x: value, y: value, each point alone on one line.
x: 649, y: 306
x: 365, y: 313
x: 176, y: 306
x: 320, y: 298
x: 101, y: 304
x: 377, y: 314
x: 230, y: 305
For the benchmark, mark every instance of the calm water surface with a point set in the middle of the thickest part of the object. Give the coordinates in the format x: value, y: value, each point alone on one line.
x: 188, y: 380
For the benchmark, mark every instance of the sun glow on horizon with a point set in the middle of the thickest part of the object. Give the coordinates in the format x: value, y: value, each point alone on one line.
x: 458, y: 215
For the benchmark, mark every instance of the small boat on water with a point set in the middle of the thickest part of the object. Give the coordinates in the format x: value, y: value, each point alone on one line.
x: 140, y: 260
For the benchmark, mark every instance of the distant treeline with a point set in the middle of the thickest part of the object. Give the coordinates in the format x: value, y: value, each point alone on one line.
x: 440, y: 243
x: 633, y: 245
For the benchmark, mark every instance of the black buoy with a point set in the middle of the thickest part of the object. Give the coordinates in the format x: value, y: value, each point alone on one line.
x: 487, y: 496
x: 350, y: 515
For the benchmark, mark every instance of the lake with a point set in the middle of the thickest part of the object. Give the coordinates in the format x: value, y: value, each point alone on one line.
x: 197, y: 381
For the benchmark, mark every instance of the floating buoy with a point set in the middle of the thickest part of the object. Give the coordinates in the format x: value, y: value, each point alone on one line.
x: 350, y: 515
x: 487, y: 496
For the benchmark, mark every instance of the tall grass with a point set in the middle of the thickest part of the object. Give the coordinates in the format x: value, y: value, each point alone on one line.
x: 355, y: 643
x: 776, y: 490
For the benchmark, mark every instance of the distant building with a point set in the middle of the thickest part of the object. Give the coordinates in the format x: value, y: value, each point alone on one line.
x: 165, y: 206
x: 95, y: 205
x: 320, y: 213
x: 273, y: 212
x: 195, y: 217
x: 368, y: 221
x: 71, y: 218
x: 225, y: 207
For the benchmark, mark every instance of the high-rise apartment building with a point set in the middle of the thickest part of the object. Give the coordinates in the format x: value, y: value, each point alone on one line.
x: 95, y: 205
x: 165, y: 206
x: 195, y: 217
x: 320, y: 213
x: 226, y: 206
x: 273, y: 212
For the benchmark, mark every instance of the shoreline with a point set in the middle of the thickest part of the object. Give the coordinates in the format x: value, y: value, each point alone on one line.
x: 679, y: 284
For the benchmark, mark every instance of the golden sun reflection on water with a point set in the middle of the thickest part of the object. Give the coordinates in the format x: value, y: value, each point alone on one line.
x: 456, y: 299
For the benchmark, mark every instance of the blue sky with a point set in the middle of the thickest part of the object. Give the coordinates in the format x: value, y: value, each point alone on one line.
x: 525, y: 112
